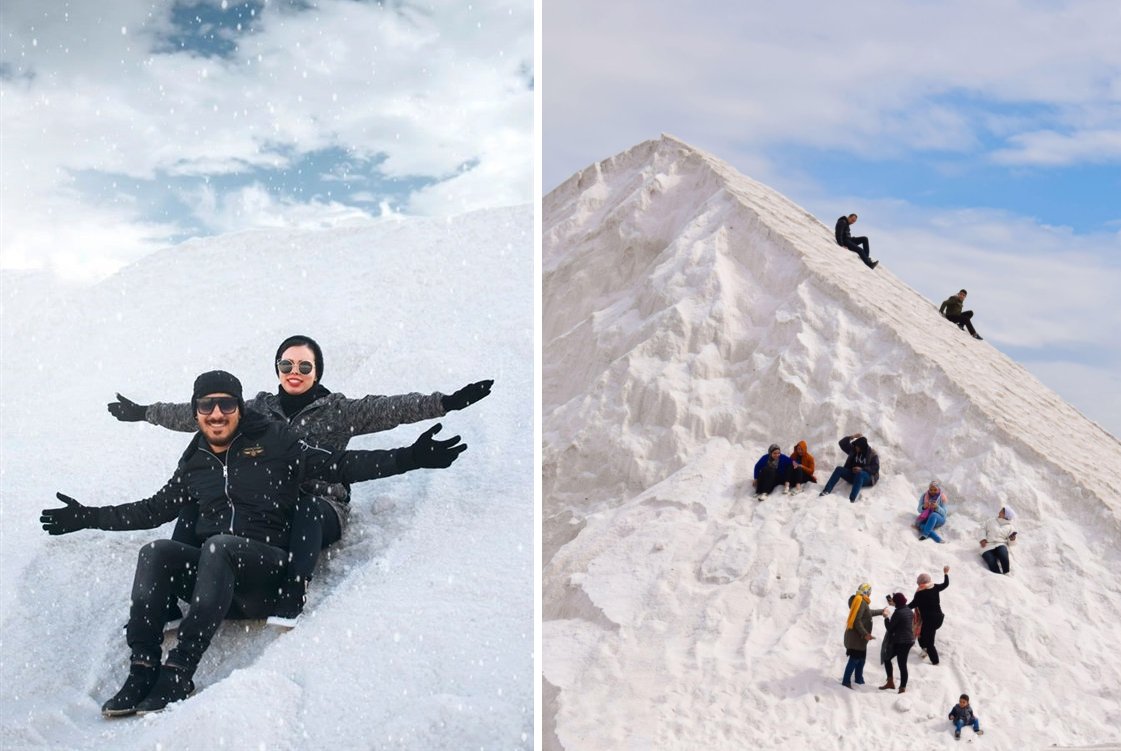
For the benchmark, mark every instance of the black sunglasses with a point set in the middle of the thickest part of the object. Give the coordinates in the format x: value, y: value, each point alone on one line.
x: 285, y: 366
x: 205, y: 405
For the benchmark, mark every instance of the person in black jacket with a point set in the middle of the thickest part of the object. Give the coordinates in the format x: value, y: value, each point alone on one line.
x: 322, y: 417
x: 861, y: 468
x: 858, y: 245
x: 901, y: 634
x: 927, y: 601
x: 243, y: 472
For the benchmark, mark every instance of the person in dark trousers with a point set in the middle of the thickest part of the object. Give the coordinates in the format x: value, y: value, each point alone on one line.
x: 772, y: 469
x: 802, y: 467
x: 243, y: 472
x: 327, y: 419
x: 901, y: 634
x: 858, y: 245
x: 999, y: 535
x: 858, y: 632
x: 927, y: 601
x: 961, y: 714
x: 861, y: 468
x: 951, y: 309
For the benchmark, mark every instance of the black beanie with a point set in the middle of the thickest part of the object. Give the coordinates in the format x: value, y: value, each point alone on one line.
x: 296, y: 341
x: 217, y: 382
x: 862, y: 444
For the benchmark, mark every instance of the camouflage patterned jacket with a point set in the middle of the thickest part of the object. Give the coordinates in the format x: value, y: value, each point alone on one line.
x: 329, y: 422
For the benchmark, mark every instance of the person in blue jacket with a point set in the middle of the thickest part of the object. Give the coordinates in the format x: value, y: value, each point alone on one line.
x: 772, y: 469
x: 932, y: 511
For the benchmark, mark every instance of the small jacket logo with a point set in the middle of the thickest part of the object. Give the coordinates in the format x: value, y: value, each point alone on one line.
x: 253, y: 451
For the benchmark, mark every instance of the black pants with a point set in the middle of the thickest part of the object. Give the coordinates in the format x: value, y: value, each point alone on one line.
x: 965, y: 318
x: 860, y: 246
x: 228, y: 576
x: 800, y: 477
x: 769, y: 479
x: 315, y: 525
x: 899, y: 652
x: 926, y: 637
x: 995, y: 556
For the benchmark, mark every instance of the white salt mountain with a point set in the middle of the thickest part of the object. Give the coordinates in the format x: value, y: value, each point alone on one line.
x: 691, y: 317
x: 419, y: 629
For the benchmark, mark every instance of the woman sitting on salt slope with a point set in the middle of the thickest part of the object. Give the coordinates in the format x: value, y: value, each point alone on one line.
x: 932, y: 511
x: 999, y: 534
x: 772, y: 470
x: 802, y: 470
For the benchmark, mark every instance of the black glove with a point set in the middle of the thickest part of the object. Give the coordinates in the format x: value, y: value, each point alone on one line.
x: 467, y: 395
x: 127, y: 411
x: 61, y: 521
x: 429, y: 453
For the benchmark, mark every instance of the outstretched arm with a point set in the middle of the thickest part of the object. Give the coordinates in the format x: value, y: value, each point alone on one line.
x: 372, y: 414
x: 167, y: 415
x: 146, y: 514
x: 358, y: 466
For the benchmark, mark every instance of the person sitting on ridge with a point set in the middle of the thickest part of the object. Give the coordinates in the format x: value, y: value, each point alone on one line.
x: 951, y: 309
x: 861, y: 468
x: 772, y: 470
x: 858, y: 245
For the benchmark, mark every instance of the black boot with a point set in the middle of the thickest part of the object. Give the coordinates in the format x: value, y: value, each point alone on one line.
x: 174, y: 684
x: 141, y: 678
x: 293, y: 597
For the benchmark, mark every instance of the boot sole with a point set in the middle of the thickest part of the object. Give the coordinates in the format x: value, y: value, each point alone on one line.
x: 118, y: 712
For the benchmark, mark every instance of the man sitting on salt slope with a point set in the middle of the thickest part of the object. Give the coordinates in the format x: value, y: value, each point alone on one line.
x: 861, y: 468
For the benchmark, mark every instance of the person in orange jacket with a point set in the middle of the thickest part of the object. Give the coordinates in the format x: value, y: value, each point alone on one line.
x: 803, y: 471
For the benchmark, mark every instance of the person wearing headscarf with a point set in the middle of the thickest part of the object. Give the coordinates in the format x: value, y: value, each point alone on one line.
x: 772, y: 470
x: 999, y: 535
x: 858, y: 632
x: 901, y: 636
x: 932, y: 511
x: 928, y: 602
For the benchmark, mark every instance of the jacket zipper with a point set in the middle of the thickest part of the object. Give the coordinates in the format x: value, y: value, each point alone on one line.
x: 226, y: 479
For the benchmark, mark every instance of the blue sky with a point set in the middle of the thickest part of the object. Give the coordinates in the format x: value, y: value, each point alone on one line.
x: 979, y: 142
x: 129, y: 125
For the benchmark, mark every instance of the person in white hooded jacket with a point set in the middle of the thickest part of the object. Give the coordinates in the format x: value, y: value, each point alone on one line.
x: 999, y: 534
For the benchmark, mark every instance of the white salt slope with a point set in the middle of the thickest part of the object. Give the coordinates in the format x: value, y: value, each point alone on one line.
x: 419, y: 633
x: 693, y: 316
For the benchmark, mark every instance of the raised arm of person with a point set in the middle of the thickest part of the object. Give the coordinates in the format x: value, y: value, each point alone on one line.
x: 846, y: 442
x: 375, y: 413
x: 146, y: 514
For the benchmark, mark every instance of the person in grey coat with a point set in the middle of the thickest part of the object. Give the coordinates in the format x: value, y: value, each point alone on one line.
x: 324, y: 418
x: 858, y: 632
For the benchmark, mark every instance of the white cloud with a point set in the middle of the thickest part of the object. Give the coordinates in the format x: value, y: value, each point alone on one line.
x: 1047, y: 147
x: 427, y: 89
x: 871, y: 78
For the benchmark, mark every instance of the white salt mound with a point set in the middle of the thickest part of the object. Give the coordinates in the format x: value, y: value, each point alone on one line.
x: 691, y: 317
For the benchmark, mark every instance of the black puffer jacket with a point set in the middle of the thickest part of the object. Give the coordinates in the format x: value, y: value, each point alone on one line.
x: 901, y: 627
x: 330, y: 422
x: 842, y: 231
x: 251, y: 488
